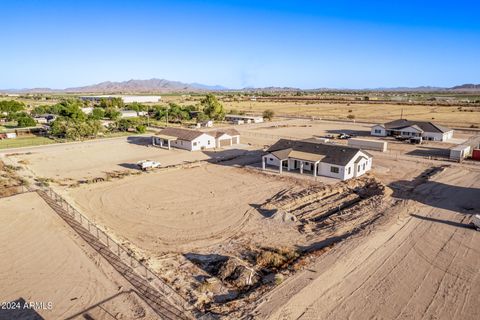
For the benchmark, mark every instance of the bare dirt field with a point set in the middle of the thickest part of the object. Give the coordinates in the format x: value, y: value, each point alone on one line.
x: 423, y: 265
x: 43, y: 261
x: 94, y: 158
x: 446, y: 115
x: 231, y: 238
x: 179, y: 210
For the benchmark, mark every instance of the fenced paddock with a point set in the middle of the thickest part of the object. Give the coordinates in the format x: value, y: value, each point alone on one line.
x: 127, y: 258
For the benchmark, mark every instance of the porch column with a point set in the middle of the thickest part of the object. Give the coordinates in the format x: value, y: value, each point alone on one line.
x: 280, y: 168
x: 288, y: 164
x: 263, y: 162
x: 315, y: 165
x: 161, y: 143
x: 153, y: 140
x: 168, y: 142
x: 301, y: 167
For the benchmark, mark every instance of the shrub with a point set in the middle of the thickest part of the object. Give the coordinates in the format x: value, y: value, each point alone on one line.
x: 268, y: 114
x: 351, y: 116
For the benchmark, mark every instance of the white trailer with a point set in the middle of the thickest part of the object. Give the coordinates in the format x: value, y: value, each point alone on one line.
x: 460, y: 152
x: 368, y: 144
x: 148, y: 164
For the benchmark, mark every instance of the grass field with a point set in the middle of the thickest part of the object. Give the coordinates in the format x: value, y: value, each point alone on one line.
x: 25, y: 142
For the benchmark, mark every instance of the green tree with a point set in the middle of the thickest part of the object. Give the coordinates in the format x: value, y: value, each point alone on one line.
x: 212, y: 108
x: 25, y: 121
x: 97, y: 113
x: 11, y: 106
x: 268, y: 114
x: 112, y: 113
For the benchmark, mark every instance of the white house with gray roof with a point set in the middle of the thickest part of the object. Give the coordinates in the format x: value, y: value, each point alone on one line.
x: 403, y: 127
x: 336, y: 161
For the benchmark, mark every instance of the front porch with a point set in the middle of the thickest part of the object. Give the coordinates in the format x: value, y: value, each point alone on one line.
x: 295, y: 165
x: 163, y: 141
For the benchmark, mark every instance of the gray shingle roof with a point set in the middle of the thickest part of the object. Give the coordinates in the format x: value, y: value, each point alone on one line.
x: 331, y: 153
x: 424, y: 125
x: 182, y: 134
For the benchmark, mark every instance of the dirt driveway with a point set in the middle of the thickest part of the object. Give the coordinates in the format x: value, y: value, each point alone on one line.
x: 423, y: 266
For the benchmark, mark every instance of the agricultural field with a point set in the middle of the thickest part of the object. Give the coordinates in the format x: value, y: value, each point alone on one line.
x: 377, y: 112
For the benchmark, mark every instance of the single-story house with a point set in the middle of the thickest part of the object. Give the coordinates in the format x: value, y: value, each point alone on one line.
x: 331, y: 160
x: 184, y: 139
x: 226, y: 137
x: 237, y: 119
x: 45, y: 118
x: 403, y: 127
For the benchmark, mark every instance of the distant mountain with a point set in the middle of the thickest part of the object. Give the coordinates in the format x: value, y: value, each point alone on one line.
x: 130, y: 86
x: 166, y: 86
x: 467, y: 87
x: 143, y: 86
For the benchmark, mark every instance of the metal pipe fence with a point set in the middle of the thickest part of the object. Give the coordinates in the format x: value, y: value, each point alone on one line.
x: 125, y: 255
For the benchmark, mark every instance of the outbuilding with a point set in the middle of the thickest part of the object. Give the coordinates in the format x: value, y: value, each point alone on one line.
x: 226, y: 137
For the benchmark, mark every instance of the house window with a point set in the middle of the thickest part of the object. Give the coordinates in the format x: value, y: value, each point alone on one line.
x: 364, y: 166
x: 359, y: 167
x: 378, y: 131
x: 208, y: 142
x: 349, y: 170
x: 334, y: 169
x: 194, y: 144
x: 271, y: 159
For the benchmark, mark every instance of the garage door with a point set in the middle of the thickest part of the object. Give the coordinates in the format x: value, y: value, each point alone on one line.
x: 225, y: 142
x: 235, y: 140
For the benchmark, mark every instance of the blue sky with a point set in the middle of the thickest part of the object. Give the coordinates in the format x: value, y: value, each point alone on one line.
x: 306, y: 44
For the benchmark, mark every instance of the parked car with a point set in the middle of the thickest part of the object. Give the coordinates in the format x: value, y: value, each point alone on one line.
x: 344, y: 136
x: 329, y: 136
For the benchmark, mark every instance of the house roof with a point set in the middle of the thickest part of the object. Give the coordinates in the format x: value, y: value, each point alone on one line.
x: 182, y: 134
x: 425, y: 126
x: 328, y: 153
x: 219, y: 133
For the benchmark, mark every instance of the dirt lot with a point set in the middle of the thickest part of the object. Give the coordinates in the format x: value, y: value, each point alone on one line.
x: 423, y: 265
x: 225, y: 236
x: 91, y: 159
x: 42, y: 260
x: 178, y: 210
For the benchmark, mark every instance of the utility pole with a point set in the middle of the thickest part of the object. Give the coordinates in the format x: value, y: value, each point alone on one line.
x: 166, y: 118
x: 401, y: 114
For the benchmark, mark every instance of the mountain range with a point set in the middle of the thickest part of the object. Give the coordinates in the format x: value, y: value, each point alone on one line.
x: 155, y: 85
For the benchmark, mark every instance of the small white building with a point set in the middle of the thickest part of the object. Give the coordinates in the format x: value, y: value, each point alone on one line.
x: 226, y: 137
x: 125, y: 99
x: 128, y: 114
x: 403, y: 127
x: 87, y: 110
x: 191, y: 140
x: 336, y: 161
x: 237, y: 119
